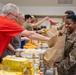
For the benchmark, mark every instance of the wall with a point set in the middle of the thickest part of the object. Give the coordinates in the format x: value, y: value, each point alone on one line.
x: 1, y: 5
x: 37, y: 10
x: 46, y: 10
x: 55, y: 11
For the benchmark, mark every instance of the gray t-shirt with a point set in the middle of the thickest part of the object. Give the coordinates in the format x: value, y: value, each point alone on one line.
x: 15, y: 42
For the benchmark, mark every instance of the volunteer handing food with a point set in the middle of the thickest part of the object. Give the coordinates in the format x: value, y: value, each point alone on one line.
x: 9, y: 28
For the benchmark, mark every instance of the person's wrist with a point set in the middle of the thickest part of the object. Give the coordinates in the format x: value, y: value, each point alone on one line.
x: 43, y: 20
x: 15, y: 50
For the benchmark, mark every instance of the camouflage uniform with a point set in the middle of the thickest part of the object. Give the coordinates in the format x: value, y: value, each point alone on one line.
x: 68, y: 64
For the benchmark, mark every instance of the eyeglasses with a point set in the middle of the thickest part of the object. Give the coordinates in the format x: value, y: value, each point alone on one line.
x: 14, y: 15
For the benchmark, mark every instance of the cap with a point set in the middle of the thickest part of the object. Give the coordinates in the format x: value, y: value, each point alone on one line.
x: 51, y: 21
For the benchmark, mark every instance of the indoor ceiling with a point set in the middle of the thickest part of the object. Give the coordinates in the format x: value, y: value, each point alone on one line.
x: 37, y: 2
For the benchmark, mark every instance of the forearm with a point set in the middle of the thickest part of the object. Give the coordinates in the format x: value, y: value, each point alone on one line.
x: 24, y: 38
x: 39, y: 22
x: 10, y: 47
x: 34, y: 36
x: 26, y: 33
x: 37, y: 36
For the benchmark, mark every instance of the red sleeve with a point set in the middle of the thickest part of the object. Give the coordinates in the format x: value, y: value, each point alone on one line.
x: 9, y: 27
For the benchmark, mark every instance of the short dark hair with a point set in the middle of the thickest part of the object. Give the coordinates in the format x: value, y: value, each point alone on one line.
x: 27, y: 17
x: 70, y: 12
x: 72, y: 17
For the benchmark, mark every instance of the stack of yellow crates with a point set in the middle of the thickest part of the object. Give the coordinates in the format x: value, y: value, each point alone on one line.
x: 18, y: 64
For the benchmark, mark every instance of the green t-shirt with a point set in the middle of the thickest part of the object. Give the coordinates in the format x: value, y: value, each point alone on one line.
x: 27, y: 26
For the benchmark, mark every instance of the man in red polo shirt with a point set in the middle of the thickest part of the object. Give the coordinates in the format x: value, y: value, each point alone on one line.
x: 8, y: 26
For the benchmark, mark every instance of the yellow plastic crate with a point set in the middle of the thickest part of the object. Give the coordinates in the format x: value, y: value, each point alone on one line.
x: 15, y: 62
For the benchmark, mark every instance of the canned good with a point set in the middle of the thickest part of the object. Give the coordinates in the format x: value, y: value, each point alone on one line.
x: 41, y: 73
